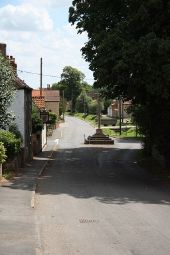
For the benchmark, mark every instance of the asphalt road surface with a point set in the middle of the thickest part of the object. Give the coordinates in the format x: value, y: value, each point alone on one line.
x: 96, y: 200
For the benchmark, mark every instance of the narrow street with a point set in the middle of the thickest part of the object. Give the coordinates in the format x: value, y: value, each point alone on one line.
x: 96, y: 200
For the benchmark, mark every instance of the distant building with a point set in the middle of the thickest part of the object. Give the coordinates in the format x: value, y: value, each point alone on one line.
x: 51, y: 97
x: 40, y: 141
x: 114, y: 109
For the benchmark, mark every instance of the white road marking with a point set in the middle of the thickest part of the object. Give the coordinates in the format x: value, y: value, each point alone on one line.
x: 57, y: 141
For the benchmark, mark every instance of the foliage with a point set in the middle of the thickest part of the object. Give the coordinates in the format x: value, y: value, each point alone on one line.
x: 58, y: 86
x: 87, y: 87
x: 11, y: 143
x: 2, y: 153
x: 82, y: 102
x: 62, y: 106
x: 71, y: 83
x: 128, y: 132
x: 8, y: 175
x: 52, y: 118
x: 129, y: 52
x: 106, y: 104
x: 14, y: 129
x: 91, y: 118
x: 94, y: 106
x: 7, y: 89
x: 37, y: 123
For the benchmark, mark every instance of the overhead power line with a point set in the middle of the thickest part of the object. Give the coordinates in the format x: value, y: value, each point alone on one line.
x: 47, y: 75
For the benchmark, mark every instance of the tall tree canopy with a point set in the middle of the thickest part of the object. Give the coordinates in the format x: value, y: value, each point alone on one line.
x: 7, y: 82
x: 129, y: 52
x: 72, y: 83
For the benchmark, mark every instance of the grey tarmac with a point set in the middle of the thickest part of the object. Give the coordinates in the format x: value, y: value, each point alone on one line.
x: 96, y: 200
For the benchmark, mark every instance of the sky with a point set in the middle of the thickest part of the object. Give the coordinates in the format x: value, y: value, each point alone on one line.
x: 34, y: 29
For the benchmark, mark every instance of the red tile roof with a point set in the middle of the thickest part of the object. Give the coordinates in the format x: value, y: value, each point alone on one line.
x: 49, y: 95
x: 39, y: 102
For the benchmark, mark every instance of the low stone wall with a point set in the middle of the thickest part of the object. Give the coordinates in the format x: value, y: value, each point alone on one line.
x: 16, y: 163
x: 36, y: 143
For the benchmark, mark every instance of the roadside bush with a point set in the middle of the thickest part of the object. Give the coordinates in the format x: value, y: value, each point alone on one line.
x: 14, y: 129
x: 10, y: 142
x: 37, y: 123
x: 2, y: 153
x: 52, y: 118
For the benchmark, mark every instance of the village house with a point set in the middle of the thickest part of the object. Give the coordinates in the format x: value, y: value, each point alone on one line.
x: 51, y: 97
x: 21, y: 107
x: 118, y: 107
x: 39, y: 140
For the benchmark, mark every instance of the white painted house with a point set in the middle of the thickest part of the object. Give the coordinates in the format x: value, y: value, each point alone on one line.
x: 22, y: 109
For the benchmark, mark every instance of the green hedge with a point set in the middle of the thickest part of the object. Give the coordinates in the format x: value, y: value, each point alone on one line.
x: 52, y: 118
x: 2, y: 153
x: 11, y: 143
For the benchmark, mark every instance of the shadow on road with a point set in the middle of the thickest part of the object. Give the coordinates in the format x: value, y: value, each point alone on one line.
x: 108, y: 175
x: 27, y: 176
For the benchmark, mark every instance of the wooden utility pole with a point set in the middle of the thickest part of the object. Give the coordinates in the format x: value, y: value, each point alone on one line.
x: 120, y: 115
x: 41, y: 77
x: 63, y: 105
x: 99, y: 113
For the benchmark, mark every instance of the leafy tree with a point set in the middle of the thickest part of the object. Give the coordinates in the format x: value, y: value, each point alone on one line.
x: 129, y: 52
x: 71, y: 83
x: 94, y: 106
x: 106, y: 104
x: 82, y: 102
x: 7, y: 89
x: 87, y: 87
x: 58, y: 86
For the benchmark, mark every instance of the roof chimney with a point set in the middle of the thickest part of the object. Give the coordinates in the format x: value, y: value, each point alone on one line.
x: 3, y: 49
x: 13, y: 64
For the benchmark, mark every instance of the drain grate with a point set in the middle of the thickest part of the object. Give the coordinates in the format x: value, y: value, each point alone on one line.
x: 88, y: 221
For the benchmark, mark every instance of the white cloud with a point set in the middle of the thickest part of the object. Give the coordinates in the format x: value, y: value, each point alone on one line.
x: 25, y: 17
x: 32, y: 36
x: 51, y: 3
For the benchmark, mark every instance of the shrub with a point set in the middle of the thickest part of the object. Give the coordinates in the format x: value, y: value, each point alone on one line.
x: 93, y: 107
x: 14, y: 129
x: 11, y: 143
x: 52, y: 118
x: 82, y: 103
x: 2, y: 153
x: 37, y: 123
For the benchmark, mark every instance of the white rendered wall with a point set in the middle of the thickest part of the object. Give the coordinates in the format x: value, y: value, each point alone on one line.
x: 109, y: 111
x: 44, y: 135
x: 17, y: 107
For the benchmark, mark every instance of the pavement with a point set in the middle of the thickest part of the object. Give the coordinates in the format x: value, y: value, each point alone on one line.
x: 17, y: 200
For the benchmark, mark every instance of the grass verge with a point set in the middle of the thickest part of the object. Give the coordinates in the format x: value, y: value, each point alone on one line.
x: 90, y: 118
x: 128, y: 133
